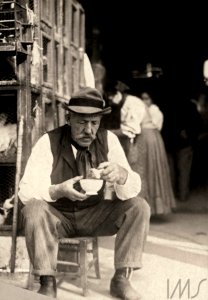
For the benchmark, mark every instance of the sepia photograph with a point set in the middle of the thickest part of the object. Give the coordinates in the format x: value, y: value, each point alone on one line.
x: 103, y: 150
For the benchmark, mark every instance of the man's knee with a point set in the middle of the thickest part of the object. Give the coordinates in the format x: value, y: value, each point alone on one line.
x: 140, y: 207
x: 34, y: 210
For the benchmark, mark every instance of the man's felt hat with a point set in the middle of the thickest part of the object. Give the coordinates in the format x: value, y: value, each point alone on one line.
x: 87, y: 101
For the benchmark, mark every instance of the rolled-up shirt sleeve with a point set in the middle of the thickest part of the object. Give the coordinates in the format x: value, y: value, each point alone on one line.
x: 36, y: 180
x: 116, y: 154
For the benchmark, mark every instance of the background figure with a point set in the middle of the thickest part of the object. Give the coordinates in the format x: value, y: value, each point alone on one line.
x: 146, y: 152
x: 199, y: 171
x: 185, y: 143
x: 116, y: 95
x: 115, y: 98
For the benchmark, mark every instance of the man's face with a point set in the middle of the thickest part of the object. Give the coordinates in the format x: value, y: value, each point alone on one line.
x: 84, y: 128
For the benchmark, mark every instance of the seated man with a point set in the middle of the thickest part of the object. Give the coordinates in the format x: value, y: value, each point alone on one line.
x: 56, y: 207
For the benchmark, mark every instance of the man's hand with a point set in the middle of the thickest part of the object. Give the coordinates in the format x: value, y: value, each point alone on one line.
x: 66, y: 189
x: 113, y: 173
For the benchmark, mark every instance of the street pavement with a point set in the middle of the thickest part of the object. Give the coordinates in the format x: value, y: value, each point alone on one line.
x: 176, y: 252
x: 175, y: 264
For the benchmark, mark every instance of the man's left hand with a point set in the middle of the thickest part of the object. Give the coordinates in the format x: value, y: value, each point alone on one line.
x: 113, y: 173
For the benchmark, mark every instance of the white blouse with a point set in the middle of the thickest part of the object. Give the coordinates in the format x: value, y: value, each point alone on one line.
x: 136, y: 115
x: 156, y: 116
x: 132, y: 114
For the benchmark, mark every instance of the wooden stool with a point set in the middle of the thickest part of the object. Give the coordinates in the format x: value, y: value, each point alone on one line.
x: 80, y: 246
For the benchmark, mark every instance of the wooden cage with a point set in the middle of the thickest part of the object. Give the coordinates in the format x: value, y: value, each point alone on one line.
x: 41, y: 54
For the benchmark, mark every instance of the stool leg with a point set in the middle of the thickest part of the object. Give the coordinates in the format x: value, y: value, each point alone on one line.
x: 30, y: 278
x: 83, y: 266
x: 95, y: 253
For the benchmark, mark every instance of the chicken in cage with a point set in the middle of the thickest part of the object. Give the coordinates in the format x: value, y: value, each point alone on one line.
x: 7, y: 182
x: 6, y: 211
x: 8, y: 135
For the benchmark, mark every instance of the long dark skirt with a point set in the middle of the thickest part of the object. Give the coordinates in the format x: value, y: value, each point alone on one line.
x: 147, y: 156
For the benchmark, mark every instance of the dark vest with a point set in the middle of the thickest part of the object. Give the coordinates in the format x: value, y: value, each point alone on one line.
x: 64, y: 164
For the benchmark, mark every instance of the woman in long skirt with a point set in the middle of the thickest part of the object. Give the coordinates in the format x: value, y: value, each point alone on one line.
x: 146, y: 152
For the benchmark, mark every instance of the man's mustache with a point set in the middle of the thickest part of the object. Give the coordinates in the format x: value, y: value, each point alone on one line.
x: 88, y: 136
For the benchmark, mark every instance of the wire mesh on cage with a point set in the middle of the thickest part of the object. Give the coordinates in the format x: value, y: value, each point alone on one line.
x: 7, y: 188
x: 8, y: 127
x: 7, y: 182
x: 8, y: 70
x: 16, y: 21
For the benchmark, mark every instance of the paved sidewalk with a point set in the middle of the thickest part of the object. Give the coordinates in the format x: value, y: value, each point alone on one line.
x: 152, y: 280
x: 11, y: 292
x: 155, y: 281
x: 175, y: 265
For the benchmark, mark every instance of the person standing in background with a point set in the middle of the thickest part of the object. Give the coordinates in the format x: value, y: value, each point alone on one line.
x: 199, y: 173
x: 141, y: 121
x: 116, y: 94
x: 159, y: 192
x: 185, y: 143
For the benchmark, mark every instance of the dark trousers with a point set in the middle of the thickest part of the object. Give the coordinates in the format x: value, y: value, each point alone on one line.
x: 44, y: 225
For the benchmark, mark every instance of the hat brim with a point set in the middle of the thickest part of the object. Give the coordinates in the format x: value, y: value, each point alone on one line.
x: 87, y: 110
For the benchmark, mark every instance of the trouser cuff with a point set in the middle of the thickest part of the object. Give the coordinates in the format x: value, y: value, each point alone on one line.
x: 132, y: 265
x: 44, y: 272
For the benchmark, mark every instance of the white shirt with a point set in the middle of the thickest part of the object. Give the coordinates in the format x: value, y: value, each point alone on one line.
x: 156, y: 116
x: 36, y: 180
x: 132, y: 114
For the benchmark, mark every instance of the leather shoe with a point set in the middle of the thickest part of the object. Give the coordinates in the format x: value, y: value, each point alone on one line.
x: 120, y: 287
x: 48, y: 286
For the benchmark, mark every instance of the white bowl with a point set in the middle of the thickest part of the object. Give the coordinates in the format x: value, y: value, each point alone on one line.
x: 91, y: 186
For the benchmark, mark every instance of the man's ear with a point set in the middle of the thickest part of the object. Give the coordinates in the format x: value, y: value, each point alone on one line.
x: 68, y: 117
